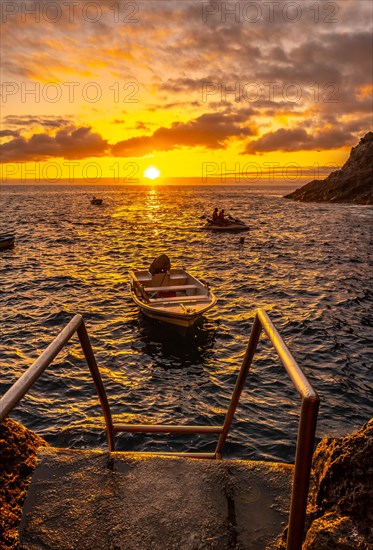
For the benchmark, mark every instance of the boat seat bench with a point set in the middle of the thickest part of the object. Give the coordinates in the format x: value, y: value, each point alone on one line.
x: 182, y: 299
x: 174, y: 288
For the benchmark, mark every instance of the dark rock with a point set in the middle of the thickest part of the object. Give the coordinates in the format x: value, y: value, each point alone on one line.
x: 334, y: 531
x: 353, y: 183
x: 18, y: 447
x: 340, y: 504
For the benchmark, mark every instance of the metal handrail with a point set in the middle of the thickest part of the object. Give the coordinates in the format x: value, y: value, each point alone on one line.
x: 19, y: 389
x: 307, y: 422
x: 306, y: 428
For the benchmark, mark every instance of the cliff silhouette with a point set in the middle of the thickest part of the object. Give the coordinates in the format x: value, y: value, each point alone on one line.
x: 353, y: 183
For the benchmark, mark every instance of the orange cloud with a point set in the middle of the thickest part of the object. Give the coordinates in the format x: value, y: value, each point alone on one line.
x: 210, y: 130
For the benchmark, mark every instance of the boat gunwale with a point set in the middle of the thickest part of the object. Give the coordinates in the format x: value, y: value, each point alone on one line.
x: 154, y: 308
x: 7, y: 241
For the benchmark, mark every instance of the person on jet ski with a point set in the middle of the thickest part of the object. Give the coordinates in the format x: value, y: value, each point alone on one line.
x: 221, y: 218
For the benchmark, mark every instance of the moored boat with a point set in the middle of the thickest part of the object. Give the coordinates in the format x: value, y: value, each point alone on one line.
x: 96, y: 201
x: 173, y: 296
x: 6, y: 241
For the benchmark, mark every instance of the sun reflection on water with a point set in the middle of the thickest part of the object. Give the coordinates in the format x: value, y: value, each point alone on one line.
x: 75, y: 259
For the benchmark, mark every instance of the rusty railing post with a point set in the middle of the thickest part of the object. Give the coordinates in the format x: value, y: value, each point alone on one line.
x: 302, y: 472
x: 246, y: 363
x: 95, y: 373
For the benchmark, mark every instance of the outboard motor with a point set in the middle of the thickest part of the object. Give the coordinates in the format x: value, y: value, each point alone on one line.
x: 160, y: 265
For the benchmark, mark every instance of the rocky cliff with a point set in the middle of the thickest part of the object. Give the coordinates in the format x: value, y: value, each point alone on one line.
x: 353, y: 183
x: 340, y: 504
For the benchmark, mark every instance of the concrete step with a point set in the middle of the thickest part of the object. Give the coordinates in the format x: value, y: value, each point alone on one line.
x: 125, y: 501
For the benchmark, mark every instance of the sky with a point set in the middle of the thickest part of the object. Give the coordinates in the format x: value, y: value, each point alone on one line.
x: 231, y: 90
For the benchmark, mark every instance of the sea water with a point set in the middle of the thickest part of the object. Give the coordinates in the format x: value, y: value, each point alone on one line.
x: 307, y: 265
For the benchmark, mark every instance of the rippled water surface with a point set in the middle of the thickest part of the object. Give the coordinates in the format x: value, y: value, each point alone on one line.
x: 308, y: 265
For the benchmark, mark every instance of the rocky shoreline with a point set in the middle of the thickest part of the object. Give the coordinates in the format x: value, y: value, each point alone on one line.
x: 18, y: 448
x: 340, y: 505
x: 352, y: 184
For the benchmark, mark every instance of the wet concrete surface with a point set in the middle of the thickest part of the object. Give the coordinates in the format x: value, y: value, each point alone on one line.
x: 124, y: 501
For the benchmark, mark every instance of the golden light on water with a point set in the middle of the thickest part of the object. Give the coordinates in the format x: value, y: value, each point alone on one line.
x: 152, y: 173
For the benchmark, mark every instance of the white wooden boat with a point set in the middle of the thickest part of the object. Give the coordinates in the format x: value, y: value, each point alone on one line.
x: 174, y: 297
x: 6, y: 241
x: 230, y: 224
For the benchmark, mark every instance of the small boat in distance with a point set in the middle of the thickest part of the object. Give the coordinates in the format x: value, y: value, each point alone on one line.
x: 6, y: 241
x: 172, y: 296
x: 229, y: 224
x: 96, y: 201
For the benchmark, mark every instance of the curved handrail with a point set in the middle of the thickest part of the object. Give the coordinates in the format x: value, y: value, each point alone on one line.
x: 295, y: 373
x: 19, y: 389
x: 306, y: 428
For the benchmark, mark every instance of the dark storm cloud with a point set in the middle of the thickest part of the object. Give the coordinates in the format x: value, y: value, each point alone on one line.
x: 9, y: 133
x: 47, y: 121
x: 298, y: 139
x: 69, y: 144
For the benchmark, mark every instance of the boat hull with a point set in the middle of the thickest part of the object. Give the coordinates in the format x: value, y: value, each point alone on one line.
x: 179, y: 321
x: 7, y: 241
x: 226, y: 228
x: 180, y: 304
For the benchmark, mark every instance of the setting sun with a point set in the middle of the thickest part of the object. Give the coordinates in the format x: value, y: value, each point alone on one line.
x: 152, y: 173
